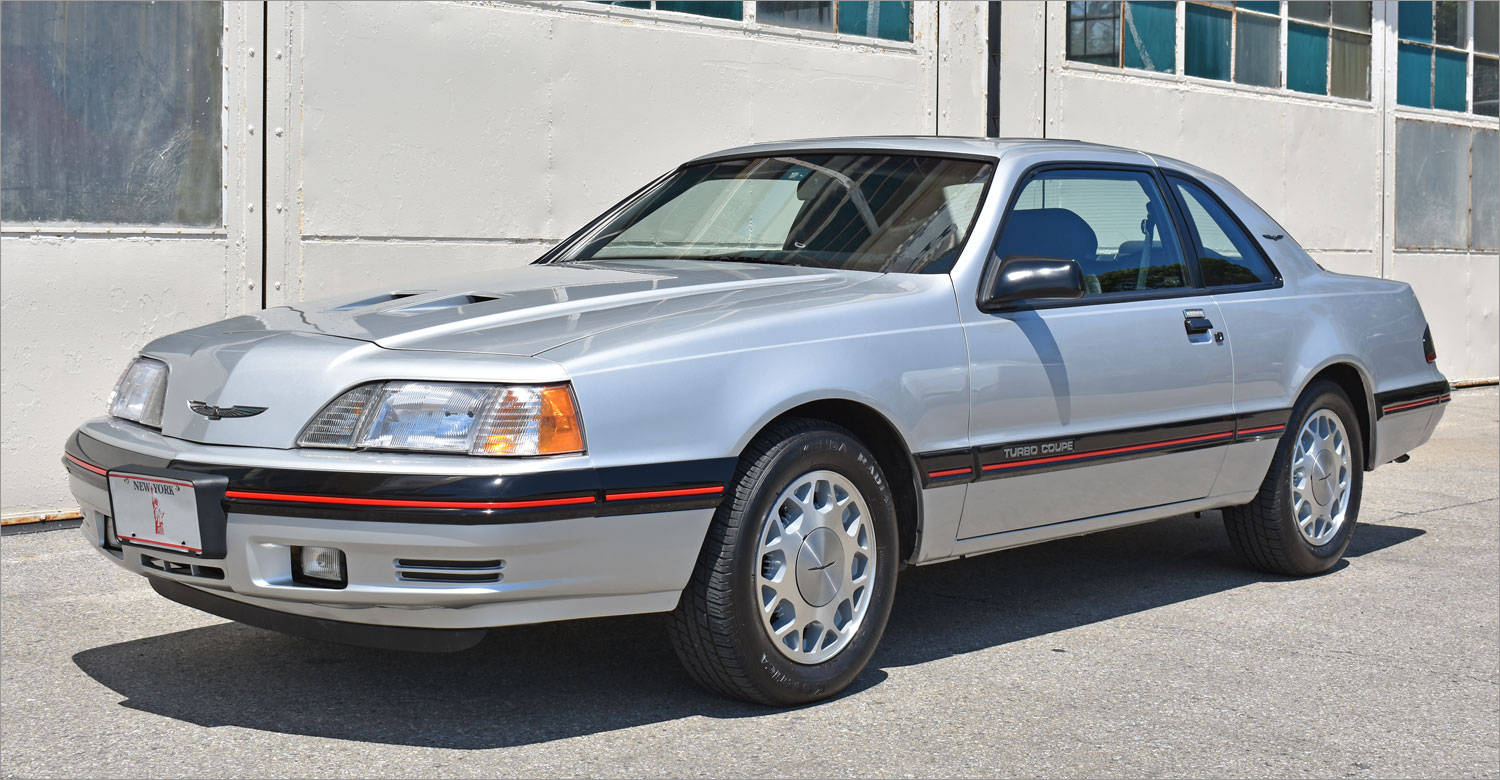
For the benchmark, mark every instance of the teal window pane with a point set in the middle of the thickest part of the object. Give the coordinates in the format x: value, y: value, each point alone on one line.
x: 1414, y: 75
x: 888, y: 19
x: 1414, y: 22
x: 718, y: 10
x: 1265, y: 8
x: 1257, y: 50
x: 1206, y: 49
x: 1450, y: 80
x: 1151, y: 36
x: 1307, y: 58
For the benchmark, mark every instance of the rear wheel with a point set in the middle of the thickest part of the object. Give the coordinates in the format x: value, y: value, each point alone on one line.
x: 794, y: 584
x: 1303, y: 518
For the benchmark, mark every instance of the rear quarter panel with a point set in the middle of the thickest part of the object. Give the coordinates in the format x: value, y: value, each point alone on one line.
x: 1283, y: 338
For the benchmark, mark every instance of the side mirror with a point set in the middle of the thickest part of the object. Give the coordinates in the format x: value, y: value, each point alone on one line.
x: 1027, y: 278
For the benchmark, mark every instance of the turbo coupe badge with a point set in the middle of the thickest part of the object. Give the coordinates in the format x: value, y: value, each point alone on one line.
x: 223, y: 412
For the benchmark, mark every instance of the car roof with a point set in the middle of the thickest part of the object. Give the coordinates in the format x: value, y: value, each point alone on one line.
x: 1063, y: 148
x: 932, y: 144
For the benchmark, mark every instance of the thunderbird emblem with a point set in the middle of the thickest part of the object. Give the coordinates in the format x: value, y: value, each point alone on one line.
x: 224, y: 412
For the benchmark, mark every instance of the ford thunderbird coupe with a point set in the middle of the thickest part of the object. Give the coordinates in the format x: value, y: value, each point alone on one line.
x: 753, y: 392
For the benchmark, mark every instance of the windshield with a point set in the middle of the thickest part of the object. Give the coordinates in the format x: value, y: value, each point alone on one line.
x: 868, y: 212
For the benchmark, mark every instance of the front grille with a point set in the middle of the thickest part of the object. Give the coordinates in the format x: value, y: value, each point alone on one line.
x: 182, y: 569
x: 420, y: 570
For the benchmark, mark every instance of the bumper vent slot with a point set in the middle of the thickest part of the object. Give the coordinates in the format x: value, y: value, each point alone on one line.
x: 182, y: 569
x: 419, y: 570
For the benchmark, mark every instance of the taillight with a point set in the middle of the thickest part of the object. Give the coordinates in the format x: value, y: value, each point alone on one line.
x: 1428, y: 348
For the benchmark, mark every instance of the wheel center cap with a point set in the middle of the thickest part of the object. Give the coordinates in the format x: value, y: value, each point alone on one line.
x: 1323, y: 477
x: 820, y: 567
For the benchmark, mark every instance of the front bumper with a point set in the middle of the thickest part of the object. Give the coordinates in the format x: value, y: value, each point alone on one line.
x: 422, y: 550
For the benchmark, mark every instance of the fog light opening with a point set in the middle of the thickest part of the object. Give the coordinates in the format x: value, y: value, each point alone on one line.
x: 320, y: 567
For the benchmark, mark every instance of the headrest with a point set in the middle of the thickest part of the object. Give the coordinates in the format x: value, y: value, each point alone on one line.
x: 1057, y: 233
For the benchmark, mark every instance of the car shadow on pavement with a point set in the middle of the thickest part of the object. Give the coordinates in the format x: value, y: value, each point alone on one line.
x: 531, y: 684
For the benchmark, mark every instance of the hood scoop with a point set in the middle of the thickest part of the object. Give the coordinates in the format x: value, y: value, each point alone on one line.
x: 365, y: 303
x: 451, y: 302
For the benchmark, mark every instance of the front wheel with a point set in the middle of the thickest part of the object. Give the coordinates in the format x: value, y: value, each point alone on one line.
x: 1304, y: 516
x: 794, y: 584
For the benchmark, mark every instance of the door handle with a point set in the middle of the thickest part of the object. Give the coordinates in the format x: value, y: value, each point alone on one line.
x: 1197, y: 325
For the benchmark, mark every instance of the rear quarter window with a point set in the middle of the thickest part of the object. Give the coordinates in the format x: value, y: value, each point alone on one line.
x: 1227, y: 255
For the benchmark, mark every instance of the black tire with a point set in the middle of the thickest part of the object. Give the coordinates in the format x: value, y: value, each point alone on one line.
x: 1264, y: 532
x: 716, y: 628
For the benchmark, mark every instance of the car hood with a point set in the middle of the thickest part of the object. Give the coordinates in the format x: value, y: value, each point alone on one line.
x: 528, y: 310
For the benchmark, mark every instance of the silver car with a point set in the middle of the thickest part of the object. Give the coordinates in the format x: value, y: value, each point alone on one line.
x: 753, y: 392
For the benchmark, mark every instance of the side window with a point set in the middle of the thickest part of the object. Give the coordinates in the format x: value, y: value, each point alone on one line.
x: 1229, y: 257
x: 1115, y: 224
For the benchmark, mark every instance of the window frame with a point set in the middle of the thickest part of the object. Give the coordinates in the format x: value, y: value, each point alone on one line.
x: 1195, y: 240
x: 993, y: 264
x: 1179, y: 74
x: 749, y: 22
x: 1467, y: 49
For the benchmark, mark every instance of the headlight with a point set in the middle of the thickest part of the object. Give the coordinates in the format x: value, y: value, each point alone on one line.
x: 141, y: 392
x: 450, y: 417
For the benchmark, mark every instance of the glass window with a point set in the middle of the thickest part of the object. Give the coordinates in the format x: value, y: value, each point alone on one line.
x: 1349, y: 69
x: 1433, y: 53
x: 111, y: 113
x: 805, y: 14
x: 1486, y: 76
x: 1487, y: 26
x: 1207, y: 35
x: 1310, y: 12
x: 1484, y: 192
x: 1450, y: 24
x: 1141, y: 35
x: 718, y: 10
x: 868, y: 212
x: 887, y: 19
x: 1328, y: 49
x: 1149, y: 36
x: 1228, y: 255
x: 1094, y: 33
x: 890, y: 20
x: 1328, y: 46
x: 1307, y: 58
x: 1432, y: 185
x: 1353, y: 16
x: 1257, y: 50
x: 1114, y: 224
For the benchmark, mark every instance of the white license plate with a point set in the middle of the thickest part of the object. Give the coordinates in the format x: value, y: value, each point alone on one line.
x: 155, y: 511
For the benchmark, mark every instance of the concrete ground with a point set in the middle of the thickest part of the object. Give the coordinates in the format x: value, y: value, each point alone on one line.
x: 1140, y: 652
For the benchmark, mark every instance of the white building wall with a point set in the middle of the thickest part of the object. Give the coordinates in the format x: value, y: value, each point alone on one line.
x: 431, y: 138
x: 407, y: 141
x: 78, y: 301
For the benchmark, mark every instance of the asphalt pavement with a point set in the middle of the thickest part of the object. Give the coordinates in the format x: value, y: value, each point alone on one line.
x: 1146, y: 651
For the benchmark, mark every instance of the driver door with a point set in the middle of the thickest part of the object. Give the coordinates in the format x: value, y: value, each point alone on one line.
x: 1110, y: 402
